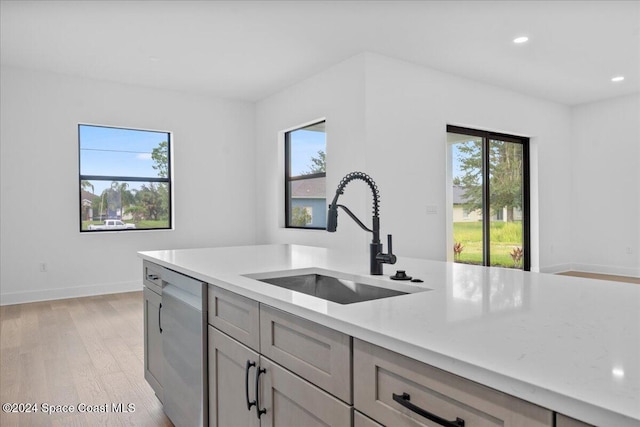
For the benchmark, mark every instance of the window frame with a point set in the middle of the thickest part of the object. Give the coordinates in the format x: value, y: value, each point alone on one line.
x: 288, y: 178
x: 168, y: 180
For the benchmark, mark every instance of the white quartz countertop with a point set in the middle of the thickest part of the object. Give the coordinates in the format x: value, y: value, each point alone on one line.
x: 569, y: 344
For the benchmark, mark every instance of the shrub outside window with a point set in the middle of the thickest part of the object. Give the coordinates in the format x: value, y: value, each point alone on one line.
x: 125, y: 179
x: 305, y: 177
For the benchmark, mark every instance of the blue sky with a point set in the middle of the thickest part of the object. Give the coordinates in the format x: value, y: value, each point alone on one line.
x: 117, y: 152
x: 127, y: 152
x: 305, y: 144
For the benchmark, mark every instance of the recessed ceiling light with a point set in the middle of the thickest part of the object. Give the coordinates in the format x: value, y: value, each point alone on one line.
x: 617, y: 79
x: 519, y: 40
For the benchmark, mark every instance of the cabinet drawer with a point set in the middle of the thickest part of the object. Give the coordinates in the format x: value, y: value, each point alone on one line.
x: 235, y: 315
x: 316, y: 353
x: 291, y: 401
x: 381, y: 373
x: 152, y: 276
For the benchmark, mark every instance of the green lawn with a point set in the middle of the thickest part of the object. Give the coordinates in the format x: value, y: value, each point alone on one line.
x: 504, y: 237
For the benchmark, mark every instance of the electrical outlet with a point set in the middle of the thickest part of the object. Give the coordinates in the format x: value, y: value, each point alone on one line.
x: 629, y: 250
x: 432, y: 209
x: 43, y: 267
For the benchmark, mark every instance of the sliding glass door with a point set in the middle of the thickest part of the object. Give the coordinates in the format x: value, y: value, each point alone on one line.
x: 490, y: 197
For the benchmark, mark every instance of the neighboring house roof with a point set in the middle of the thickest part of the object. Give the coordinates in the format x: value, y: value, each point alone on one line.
x: 312, y: 188
x: 459, y: 195
x: 86, y: 195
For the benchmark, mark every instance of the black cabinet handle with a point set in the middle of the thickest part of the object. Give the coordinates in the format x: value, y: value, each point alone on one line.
x: 160, y: 318
x: 404, y: 401
x: 152, y: 277
x: 259, y: 411
x: 249, y: 365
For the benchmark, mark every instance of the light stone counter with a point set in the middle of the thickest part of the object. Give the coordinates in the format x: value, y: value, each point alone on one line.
x: 571, y: 345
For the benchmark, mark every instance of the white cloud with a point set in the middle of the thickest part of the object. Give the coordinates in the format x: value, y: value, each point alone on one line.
x: 144, y: 156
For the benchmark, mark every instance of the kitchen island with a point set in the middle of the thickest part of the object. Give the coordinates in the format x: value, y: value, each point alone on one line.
x: 566, y: 344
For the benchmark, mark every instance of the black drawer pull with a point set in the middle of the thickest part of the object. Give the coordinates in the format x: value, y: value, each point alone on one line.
x: 249, y: 365
x: 259, y: 411
x: 404, y: 401
x: 160, y: 317
x: 152, y: 277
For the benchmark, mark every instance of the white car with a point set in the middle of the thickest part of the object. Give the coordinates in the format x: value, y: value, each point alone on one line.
x: 112, y: 224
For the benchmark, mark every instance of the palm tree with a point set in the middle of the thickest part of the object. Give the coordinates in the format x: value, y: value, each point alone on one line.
x: 85, y: 185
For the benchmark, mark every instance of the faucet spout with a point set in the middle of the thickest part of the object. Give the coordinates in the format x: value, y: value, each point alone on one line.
x: 377, y: 257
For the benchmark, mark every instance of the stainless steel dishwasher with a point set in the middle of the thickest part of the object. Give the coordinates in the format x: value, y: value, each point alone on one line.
x: 184, y: 344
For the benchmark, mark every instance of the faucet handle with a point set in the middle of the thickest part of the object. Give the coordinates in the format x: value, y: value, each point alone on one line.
x: 390, y: 256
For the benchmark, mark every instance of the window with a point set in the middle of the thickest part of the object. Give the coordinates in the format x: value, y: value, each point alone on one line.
x: 490, y: 188
x: 305, y: 177
x: 125, y: 179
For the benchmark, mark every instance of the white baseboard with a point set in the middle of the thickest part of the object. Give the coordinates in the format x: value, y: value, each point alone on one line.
x: 558, y: 268
x: 63, y: 293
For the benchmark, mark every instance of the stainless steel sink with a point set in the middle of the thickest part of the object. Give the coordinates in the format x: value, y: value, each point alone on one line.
x: 338, y: 290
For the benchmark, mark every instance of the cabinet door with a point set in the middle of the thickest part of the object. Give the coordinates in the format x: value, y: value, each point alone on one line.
x: 360, y: 420
x: 291, y: 401
x: 564, y: 421
x: 153, y: 356
x: 228, y: 377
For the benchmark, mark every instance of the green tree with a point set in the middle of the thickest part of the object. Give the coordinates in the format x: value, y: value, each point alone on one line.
x: 470, y: 157
x: 150, y: 199
x: 505, y: 177
x: 86, y: 185
x: 160, y: 156
x: 300, y: 216
x: 318, y: 164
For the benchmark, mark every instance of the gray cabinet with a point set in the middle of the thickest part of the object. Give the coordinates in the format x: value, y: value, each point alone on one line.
x: 231, y: 382
x: 153, y: 356
x: 174, y: 333
x: 299, y: 370
x: 398, y: 391
x: 319, y: 354
x: 360, y: 420
x: 289, y: 400
x: 283, y: 398
x: 564, y: 421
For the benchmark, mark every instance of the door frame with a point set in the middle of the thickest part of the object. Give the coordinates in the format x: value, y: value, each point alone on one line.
x: 486, y: 207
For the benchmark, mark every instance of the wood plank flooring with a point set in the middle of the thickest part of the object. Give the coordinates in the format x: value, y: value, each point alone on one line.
x: 77, y: 351
x: 598, y: 276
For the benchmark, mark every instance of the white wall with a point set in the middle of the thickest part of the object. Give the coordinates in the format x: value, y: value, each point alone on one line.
x: 402, y: 111
x: 214, y: 181
x: 337, y: 95
x: 606, y: 186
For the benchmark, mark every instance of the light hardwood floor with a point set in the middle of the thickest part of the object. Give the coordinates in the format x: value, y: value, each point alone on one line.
x: 598, y: 276
x: 76, y: 351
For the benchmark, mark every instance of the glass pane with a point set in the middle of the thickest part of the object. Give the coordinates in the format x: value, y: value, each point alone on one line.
x: 115, y: 205
x: 109, y: 151
x: 307, y: 148
x: 505, y: 183
x: 308, y: 203
x: 466, y: 155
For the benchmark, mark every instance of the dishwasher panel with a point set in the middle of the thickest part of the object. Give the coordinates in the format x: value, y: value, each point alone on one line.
x: 184, y: 362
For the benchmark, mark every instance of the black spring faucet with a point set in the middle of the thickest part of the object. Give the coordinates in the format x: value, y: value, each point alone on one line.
x: 377, y: 258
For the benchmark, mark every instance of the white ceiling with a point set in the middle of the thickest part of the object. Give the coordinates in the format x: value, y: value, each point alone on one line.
x: 251, y: 49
